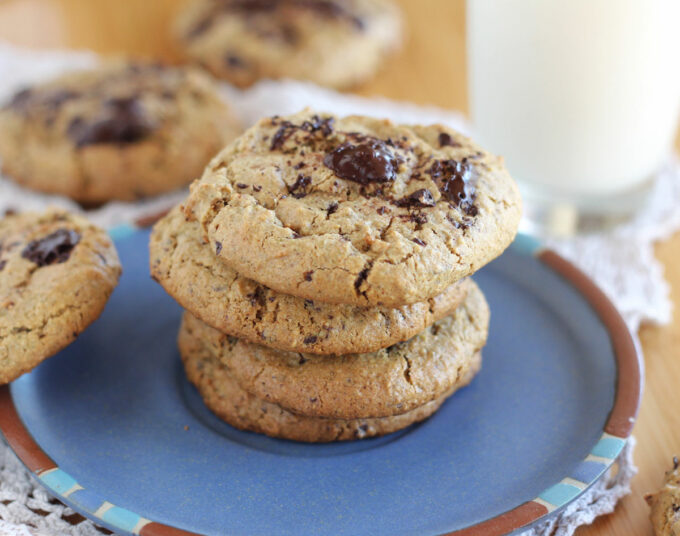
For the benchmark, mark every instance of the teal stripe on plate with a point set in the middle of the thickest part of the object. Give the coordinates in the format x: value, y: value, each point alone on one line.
x: 121, y: 231
x: 121, y: 518
x: 608, y: 447
x: 58, y: 481
x: 526, y: 245
x: 559, y: 494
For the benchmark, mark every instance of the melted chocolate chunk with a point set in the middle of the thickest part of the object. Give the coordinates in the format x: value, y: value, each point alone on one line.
x: 367, y: 162
x: 299, y: 188
x: 419, y: 199
x: 332, y: 208
x: 453, y: 178
x: 308, y: 275
x: 445, y: 140
x: 122, y: 121
x: 54, y: 248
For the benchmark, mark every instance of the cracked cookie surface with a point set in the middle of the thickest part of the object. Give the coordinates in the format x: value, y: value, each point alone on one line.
x: 385, y: 383
x: 57, y: 272
x: 331, y: 42
x: 355, y: 210
x: 231, y: 403
x: 186, y: 266
x: 118, y: 131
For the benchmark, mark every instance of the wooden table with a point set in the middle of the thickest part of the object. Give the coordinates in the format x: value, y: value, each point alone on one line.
x: 429, y: 70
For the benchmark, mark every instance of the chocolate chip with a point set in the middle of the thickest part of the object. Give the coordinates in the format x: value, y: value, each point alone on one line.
x: 218, y: 247
x: 445, y: 140
x: 332, y: 208
x: 241, y: 185
x: 3, y: 263
x: 315, y: 125
x: 454, y: 180
x: 676, y: 462
x: 299, y: 165
x: 299, y: 188
x: 419, y: 242
x: 235, y: 62
x: 308, y: 275
x: 122, y: 121
x: 20, y: 100
x: 368, y: 162
x: 302, y: 360
x: 310, y: 339
x: 54, y: 248
x: 361, y: 278
x: 419, y: 199
x: 257, y: 187
x: 257, y: 297
x: 382, y: 211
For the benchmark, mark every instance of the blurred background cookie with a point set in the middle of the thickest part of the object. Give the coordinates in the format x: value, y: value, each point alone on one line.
x: 122, y: 131
x: 331, y: 42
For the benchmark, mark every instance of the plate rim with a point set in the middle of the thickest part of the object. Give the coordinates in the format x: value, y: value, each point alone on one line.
x: 604, y: 453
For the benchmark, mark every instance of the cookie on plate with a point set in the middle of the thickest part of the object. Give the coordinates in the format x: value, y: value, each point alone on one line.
x: 665, y: 504
x: 389, y: 382
x: 57, y: 272
x: 355, y: 210
x: 335, y: 43
x: 231, y: 403
x: 186, y: 266
x: 118, y: 131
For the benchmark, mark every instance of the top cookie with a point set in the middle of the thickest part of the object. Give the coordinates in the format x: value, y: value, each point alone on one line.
x: 336, y: 43
x: 56, y: 274
x: 118, y: 131
x: 355, y: 210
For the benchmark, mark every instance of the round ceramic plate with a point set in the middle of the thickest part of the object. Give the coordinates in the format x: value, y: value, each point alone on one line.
x: 112, y: 428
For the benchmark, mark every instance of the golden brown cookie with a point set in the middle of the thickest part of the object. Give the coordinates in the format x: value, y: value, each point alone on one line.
x: 57, y: 272
x: 331, y: 42
x: 118, y: 131
x: 187, y: 268
x: 230, y: 402
x: 356, y: 210
x: 665, y: 504
x: 385, y: 383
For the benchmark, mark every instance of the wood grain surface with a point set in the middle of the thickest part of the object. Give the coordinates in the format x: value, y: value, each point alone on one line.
x: 429, y: 70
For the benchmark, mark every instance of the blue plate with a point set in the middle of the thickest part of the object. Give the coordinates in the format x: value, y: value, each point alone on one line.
x: 112, y: 428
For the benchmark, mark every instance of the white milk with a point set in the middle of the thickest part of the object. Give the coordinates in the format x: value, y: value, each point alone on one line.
x: 580, y: 96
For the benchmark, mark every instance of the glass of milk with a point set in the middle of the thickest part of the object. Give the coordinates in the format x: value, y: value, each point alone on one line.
x: 581, y: 97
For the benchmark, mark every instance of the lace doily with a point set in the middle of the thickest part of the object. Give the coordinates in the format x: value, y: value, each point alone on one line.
x: 621, y: 261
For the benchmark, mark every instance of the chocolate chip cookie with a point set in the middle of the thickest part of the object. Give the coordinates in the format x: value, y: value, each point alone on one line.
x: 119, y: 131
x: 230, y: 402
x: 331, y: 42
x: 385, y: 383
x: 188, y: 269
x: 56, y: 274
x: 357, y: 210
x: 665, y: 504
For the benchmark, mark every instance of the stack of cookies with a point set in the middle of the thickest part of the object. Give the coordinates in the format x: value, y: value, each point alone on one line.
x: 323, y: 264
